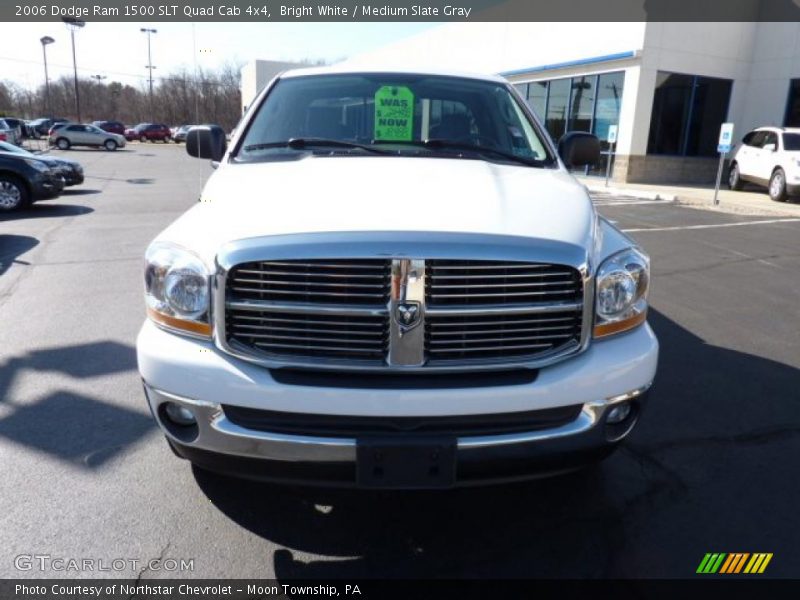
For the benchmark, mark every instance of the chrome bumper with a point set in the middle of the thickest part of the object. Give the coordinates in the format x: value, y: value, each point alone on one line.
x: 215, y: 433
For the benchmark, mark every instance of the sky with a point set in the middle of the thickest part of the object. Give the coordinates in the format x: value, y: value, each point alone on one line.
x: 118, y: 51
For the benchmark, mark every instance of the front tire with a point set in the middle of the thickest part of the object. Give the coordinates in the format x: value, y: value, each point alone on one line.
x: 62, y: 144
x: 777, y: 186
x: 735, y: 179
x: 13, y: 194
x: 142, y: 139
x: 167, y: 140
x: 110, y: 145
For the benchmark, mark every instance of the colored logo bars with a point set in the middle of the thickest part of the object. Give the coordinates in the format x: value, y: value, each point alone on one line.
x: 737, y: 562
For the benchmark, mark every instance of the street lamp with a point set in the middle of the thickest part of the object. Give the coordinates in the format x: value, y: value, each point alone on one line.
x: 74, y: 25
x: 46, y: 40
x: 150, y: 66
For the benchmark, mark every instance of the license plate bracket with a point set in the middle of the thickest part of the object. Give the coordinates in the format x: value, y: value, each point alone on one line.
x: 403, y: 463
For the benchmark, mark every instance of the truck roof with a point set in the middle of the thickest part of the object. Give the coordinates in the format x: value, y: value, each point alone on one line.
x: 343, y: 69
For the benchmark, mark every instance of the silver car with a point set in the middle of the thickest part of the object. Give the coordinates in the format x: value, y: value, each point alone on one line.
x: 8, y: 133
x: 85, y: 135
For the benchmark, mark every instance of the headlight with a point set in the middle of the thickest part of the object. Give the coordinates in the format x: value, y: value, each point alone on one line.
x: 177, y: 286
x: 621, y: 292
x: 38, y: 165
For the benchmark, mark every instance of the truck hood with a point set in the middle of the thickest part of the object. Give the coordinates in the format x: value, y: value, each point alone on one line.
x: 376, y: 193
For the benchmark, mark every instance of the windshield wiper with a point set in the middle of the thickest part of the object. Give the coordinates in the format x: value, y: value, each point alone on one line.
x: 456, y: 145
x: 310, y: 142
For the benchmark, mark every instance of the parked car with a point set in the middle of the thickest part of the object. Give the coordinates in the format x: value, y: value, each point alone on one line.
x: 71, y: 171
x: 8, y: 132
x: 110, y: 126
x: 769, y: 157
x: 56, y: 126
x: 24, y: 180
x: 437, y: 304
x: 75, y: 134
x: 153, y: 132
x: 20, y: 125
x: 42, y: 126
x: 179, y: 134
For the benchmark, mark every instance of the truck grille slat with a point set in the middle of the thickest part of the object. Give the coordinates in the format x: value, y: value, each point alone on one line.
x: 337, y: 309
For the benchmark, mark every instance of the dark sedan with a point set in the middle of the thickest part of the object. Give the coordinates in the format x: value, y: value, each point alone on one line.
x: 110, y: 126
x: 24, y: 180
x: 71, y: 171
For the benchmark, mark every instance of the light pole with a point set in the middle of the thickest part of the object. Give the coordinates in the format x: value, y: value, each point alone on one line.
x: 74, y: 25
x: 150, y: 66
x: 46, y: 40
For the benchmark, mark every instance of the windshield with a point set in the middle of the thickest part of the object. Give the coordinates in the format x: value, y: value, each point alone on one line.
x: 392, y: 114
x: 791, y: 142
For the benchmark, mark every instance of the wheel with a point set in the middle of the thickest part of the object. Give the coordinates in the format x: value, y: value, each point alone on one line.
x: 777, y: 186
x: 734, y: 179
x: 110, y: 145
x: 142, y: 139
x: 62, y: 143
x: 13, y: 194
x: 167, y: 140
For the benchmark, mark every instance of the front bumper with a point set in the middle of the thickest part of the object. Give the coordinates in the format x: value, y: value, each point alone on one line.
x: 45, y: 186
x: 196, y: 375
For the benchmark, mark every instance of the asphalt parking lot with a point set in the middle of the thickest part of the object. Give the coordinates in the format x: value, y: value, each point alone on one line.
x: 711, y: 468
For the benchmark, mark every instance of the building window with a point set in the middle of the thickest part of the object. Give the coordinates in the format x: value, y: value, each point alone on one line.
x: 537, y: 97
x: 687, y: 113
x: 582, y: 103
x: 587, y: 103
x: 792, y: 118
x: 557, y: 107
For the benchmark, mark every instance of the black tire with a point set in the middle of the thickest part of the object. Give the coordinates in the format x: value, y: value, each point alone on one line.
x: 142, y: 139
x: 734, y: 178
x: 167, y: 140
x: 62, y: 143
x: 777, y: 186
x: 110, y: 145
x: 14, y: 194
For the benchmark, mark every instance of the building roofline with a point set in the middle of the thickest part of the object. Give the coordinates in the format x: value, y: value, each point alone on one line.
x: 572, y: 63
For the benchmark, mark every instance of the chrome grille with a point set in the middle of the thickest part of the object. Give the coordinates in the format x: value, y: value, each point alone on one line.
x: 344, y: 313
x: 490, y: 337
x: 281, y: 308
x: 324, y: 281
x: 336, y: 336
x: 467, y: 282
x: 499, y: 334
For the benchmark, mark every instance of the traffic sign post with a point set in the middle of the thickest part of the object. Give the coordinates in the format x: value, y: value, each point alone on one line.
x: 612, y: 140
x: 723, y: 147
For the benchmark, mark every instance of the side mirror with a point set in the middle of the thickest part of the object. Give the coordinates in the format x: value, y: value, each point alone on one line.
x: 206, y: 141
x: 578, y: 149
x: 770, y: 147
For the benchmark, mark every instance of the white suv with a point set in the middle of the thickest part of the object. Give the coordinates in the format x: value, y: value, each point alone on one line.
x: 768, y: 156
x: 392, y: 281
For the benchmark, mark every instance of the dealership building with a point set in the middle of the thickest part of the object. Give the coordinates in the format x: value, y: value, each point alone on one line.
x: 667, y: 86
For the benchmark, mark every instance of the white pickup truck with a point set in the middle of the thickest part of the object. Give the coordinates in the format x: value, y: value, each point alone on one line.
x: 391, y: 280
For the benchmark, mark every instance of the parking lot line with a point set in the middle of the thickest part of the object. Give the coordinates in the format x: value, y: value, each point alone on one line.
x: 712, y: 226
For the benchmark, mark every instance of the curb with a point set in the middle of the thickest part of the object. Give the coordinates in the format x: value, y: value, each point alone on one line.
x: 632, y: 193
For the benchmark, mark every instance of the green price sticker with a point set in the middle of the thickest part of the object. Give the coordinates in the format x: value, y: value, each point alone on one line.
x: 394, y: 113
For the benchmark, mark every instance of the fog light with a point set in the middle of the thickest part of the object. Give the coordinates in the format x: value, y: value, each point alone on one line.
x: 179, y: 414
x: 619, y: 413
